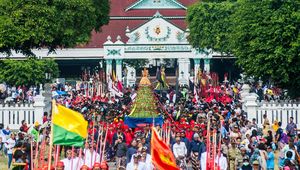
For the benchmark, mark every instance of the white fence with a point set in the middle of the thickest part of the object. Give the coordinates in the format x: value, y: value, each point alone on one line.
x: 12, y: 114
x: 275, y: 111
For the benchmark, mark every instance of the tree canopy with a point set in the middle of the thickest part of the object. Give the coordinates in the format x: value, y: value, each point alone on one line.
x: 263, y: 35
x: 27, y: 72
x: 49, y: 24
x: 213, y: 21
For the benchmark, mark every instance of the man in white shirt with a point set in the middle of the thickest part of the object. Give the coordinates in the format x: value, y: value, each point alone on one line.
x: 72, y: 163
x: 203, y: 161
x: 221, y: 162
x: 136, y: 164
x: 90, y: 157
x: 180, y: 151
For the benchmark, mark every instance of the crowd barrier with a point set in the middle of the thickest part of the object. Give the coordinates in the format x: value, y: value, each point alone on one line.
x: 12, y: 114
x: 280, y: 111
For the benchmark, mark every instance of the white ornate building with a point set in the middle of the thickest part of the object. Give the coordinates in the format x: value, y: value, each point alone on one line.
x: 138, y: 29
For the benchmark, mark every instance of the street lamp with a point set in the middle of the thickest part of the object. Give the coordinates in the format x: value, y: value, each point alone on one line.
x: 48, y: 76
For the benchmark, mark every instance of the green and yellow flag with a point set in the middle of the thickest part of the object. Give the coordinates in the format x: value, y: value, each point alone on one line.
x: 69, y: 127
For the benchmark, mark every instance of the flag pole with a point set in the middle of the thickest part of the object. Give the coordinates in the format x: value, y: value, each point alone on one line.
x: 51, y: 138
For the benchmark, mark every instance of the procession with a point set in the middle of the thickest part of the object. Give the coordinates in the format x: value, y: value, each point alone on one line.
x: 135, y: 130
x: 149, y: 85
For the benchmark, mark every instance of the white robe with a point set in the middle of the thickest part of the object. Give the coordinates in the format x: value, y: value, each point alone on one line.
x: 222, y: 162
x: 140, y: 166
x: 203, y: 161
x: 77, y: 163
x: 89, y: 158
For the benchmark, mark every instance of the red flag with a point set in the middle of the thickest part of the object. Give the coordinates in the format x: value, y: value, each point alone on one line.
x: 120, y: 86
x: 162, y: 156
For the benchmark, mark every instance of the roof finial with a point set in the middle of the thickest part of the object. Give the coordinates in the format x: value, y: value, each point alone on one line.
x: 157, y: 15
x: 127, y: 29
x: 118, y: 38
x: 108, y: 38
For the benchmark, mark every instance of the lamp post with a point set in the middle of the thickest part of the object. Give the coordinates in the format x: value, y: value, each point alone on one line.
x: 47, y: 78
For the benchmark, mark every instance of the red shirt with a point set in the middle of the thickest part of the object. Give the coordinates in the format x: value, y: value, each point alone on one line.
x: 128, y: 138
x: 110, y: 135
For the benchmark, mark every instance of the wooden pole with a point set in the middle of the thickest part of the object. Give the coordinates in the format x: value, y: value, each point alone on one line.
x: 36, y: 154
x: 86, y: 140
x: 79, y: 158
x: 104, y: 142
x: 31, y: 154
x: 72, y: 158
x: 93, y: 136
x: 57, y: 155
x: 100, y: 131
x: 43, y: 149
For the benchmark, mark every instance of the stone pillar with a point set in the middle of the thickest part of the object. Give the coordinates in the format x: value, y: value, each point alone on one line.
x: 245, y: 92
x: 39, y: 105
x: 207, y: 65
x: 108, y: 67
x: 183, y: 65
x: 250, y: 106
x: 119, y: 69
x: 196, y: 66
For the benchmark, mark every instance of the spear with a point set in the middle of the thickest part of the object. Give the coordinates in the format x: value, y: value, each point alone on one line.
x: 31, y: 154
x: 57, y: 155
x: 43, y: 148
x: 36, y: 154
x: 79, y: 158
x: 100, y: 131
x: 86, y: 140
x: 72, y: 157
x: 105, y: 138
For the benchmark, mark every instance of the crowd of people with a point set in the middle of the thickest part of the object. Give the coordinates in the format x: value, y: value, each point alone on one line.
x: 241, y: 143
x: 18, y: 94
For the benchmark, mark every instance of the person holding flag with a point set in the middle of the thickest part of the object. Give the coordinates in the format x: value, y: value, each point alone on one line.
x: 162, y: 156
x: 68, y: 128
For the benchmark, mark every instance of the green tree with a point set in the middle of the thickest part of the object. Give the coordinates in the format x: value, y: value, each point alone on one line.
x: 263, y: 35
x: 209, y: 24
x: 266, y: 41
x: 26, y: 25
x: 27, y: 72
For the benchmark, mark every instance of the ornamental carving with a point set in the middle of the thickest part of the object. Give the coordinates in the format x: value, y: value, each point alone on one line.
x: 113, y: 52
x: 158, y: 34
x: 180, y: 36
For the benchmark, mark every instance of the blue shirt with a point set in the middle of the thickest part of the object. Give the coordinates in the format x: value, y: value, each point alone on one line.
x: 270, y: 160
